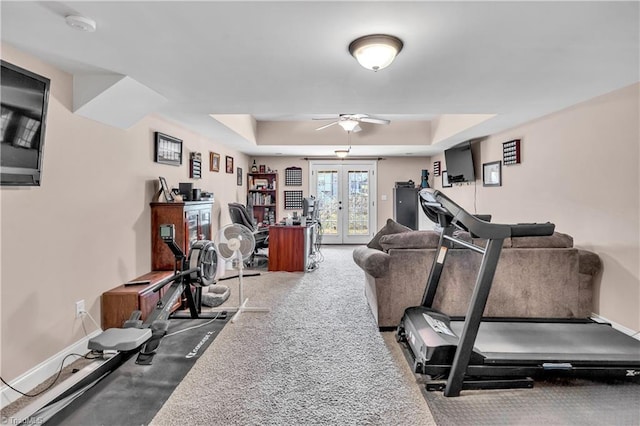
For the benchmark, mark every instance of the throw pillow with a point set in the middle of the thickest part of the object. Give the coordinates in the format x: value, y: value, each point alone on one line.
x: 392, y: 227
x: 410, y: 240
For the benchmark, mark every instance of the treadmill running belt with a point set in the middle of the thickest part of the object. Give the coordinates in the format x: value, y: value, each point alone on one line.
x: 553, y: 341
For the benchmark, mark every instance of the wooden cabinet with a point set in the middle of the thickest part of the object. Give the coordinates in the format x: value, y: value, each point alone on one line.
x: 192, y: 220
x: 262, y: 194
x: 119, y: 302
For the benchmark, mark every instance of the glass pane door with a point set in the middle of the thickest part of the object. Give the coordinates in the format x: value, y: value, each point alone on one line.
x: 346, y: 193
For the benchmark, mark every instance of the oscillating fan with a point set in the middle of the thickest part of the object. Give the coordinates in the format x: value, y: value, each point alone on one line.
x: 236, y: 243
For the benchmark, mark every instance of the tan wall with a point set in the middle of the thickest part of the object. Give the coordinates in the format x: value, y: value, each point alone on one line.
x: 86, y: 229
x: 579, y: 170
x: 397, y: 169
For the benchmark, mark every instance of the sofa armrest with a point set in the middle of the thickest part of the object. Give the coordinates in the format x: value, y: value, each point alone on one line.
x: 588, y: 262
x: 372, y: 261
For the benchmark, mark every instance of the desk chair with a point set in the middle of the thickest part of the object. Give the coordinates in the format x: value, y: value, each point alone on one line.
x: 240, y: 215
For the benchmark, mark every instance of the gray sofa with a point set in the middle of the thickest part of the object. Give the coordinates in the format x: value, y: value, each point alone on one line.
x: 542, y: 277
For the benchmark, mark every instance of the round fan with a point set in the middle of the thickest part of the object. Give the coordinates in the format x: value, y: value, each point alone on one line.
x: 202, y: 255
x: 235, y: 242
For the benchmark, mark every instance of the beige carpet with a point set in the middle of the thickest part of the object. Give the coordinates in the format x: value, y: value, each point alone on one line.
x: 316, y: 358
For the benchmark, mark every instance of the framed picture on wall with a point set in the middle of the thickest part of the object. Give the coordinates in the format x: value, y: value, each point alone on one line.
x: 239, y: 176
x: 229, y: 161
x: 214, y: 162
x: 445, y: 180
x: 168, y: 150
x: 492, y: 174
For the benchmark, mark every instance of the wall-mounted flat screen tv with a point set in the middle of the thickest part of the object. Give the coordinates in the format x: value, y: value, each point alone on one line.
x: 24, y: 97
x: 459, y: 163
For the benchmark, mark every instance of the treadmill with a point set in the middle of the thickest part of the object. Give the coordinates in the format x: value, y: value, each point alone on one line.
x: 495, y: 353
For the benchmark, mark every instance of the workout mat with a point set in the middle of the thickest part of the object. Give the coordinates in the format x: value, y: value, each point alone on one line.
x: 550, y: 402
x: 133, y: 394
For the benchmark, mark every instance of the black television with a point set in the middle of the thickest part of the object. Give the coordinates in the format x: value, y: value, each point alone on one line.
x: 459, y: 161
x: 24, y: 97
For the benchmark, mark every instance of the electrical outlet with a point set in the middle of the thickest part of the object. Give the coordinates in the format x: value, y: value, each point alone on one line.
x: 79, y: 308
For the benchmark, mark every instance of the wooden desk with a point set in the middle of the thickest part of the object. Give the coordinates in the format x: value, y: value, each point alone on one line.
x: 290, y: 247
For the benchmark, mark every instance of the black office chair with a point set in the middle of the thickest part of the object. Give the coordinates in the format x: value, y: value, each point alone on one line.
x: 240, y: 215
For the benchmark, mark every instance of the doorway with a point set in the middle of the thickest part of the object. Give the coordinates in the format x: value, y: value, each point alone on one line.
x: 346, y: 191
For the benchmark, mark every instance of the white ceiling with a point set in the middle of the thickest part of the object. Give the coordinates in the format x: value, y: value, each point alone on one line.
x: 288, y: 61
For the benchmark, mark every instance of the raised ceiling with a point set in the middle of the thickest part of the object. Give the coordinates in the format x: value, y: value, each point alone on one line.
x: 467, y: 69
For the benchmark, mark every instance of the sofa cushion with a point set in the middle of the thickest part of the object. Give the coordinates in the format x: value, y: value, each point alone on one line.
x: 392, y: 227
x: 557, y: 240
x: 410, y: 240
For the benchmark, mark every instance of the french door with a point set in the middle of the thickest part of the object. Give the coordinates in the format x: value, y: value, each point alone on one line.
x: 346, y: 191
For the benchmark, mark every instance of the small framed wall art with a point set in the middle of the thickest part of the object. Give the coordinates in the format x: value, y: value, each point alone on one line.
x: 168, y: 196
x: 492, y: 174
x: 168, y: 149
x: 214, y: 161
x: 436, y: 168
x: 229, y: 163
x: 239, y: 176
x: 511, y: 152
x: 445, y: 180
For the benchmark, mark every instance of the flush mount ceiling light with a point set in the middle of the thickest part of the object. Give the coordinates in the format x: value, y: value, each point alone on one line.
x: 375, y: 51
x: 81, y: 23
x: 341, y: 153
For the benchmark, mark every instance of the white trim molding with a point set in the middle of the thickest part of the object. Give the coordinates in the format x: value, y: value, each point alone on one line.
x: 44, y: 370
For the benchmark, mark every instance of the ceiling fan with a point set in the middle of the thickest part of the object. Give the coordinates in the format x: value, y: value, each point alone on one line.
x: 350, y: 122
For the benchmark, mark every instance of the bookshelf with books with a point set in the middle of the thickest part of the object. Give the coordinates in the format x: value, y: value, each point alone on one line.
x: 262, y: 196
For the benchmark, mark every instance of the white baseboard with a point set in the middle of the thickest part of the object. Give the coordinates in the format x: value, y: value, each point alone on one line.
x: 619, y: 327
x: 43, y: 371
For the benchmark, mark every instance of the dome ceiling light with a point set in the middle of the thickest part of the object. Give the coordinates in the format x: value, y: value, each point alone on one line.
x: 375, y: 51
x: 342, y: 153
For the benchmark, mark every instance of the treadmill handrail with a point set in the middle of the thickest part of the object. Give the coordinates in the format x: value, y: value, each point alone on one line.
x: 439, y: 203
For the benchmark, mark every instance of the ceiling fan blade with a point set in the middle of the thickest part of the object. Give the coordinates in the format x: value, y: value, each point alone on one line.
x: 327, y: 125
x: 374, y: 120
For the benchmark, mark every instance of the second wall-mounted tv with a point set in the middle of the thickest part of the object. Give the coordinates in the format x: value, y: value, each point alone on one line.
x: 459, y: 161
x: 24, y: 97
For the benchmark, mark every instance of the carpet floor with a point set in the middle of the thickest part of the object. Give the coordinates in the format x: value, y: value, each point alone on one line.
x: 316, y: 358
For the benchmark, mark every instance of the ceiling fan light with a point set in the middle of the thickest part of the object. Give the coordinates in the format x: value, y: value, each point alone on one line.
x: 376, y: 51
x: 348, y: 125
